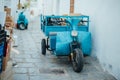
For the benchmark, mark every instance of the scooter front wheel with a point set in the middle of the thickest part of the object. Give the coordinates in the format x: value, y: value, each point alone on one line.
x: 77, y: 60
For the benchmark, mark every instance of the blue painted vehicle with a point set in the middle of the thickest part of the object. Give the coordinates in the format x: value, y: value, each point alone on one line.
x: 2, y: 46
x: 67, y: 36
x: 22, y: 22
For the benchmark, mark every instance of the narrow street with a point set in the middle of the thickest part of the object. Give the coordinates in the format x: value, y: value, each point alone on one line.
x: 32, y: 65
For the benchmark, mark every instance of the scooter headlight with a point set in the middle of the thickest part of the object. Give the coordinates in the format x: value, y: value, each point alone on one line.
x: 74, y: 33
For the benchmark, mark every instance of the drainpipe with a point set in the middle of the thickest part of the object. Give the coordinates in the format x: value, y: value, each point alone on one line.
x: 71, y: 6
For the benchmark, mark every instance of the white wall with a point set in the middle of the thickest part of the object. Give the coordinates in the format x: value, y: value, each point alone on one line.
x: 56, y: 7
x: 47, y: 7
x: 64, y: 7
x: 50, y: 7
x: 105, y: 28
x: 1, y: 5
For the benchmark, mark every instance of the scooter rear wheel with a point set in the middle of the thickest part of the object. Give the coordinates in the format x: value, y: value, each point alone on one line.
x: 22, y: 26
x: 43, y: 46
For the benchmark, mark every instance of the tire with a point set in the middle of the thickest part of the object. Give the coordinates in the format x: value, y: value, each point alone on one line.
x: 85, y: 55
x: 22, y: 26
x: 26, y: 26
x: 77, y: 60
x: 17, y: 26
x: 43, y: 46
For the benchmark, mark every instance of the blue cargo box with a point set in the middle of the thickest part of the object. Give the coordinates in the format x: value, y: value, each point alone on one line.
x: 1, y: 55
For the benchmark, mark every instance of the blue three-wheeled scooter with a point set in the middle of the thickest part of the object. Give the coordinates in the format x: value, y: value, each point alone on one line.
x: 22, y: 22
x: 67, y: 36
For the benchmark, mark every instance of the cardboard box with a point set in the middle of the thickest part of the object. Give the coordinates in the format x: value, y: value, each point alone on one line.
x: 9, y: 21
x: 9, y: 18
x: 72, y: 14
x: 75, y: 14
x: 9, y: 31
x: 8, y: 11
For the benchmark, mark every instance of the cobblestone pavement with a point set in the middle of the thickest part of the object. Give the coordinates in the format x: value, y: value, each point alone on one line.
x: 32, y: 65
